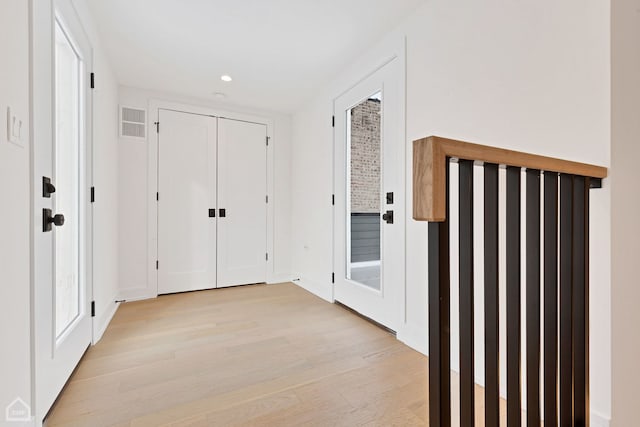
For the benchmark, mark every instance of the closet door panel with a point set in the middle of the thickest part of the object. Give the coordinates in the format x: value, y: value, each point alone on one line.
x: 242, y: 191
x: 187, y: 190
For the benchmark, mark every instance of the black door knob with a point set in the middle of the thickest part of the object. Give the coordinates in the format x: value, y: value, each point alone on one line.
x: 48, y: 219
x: 58, y: 220
x: 388, y: 217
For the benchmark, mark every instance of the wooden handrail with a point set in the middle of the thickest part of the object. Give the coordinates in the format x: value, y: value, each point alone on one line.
x: 429, y: 170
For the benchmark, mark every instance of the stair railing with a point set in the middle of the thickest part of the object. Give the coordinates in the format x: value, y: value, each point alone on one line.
x: 564, y: 221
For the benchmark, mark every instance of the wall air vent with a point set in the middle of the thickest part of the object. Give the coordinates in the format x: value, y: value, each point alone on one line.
x: 133, y: 123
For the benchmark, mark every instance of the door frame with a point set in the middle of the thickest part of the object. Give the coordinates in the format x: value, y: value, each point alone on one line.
x: 43, y: 128
x: 391, y: 49
x: 154, y: 105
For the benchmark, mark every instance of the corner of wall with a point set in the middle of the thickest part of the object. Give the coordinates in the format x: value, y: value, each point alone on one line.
x: 100, y: 325
x: 16, y: 372
x: 324, y: 291
x: 415, y: 338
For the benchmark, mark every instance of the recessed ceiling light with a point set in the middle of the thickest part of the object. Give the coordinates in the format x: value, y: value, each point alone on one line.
x: 219, y: 95
x: 226, y: 78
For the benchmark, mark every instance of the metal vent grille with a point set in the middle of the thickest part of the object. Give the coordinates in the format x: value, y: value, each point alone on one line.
x: 133, y: 123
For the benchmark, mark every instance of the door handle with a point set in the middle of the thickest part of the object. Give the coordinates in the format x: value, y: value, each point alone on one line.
x: 49, y: 220
x: 388, y: 217
x: 212, y: 213
x: 223, y: 213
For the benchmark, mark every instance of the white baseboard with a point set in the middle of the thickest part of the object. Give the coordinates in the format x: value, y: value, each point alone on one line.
x: 414, y: 337
x: 136, y: 294
x: 598, y: 420
x: 323, y: 291
x: 279, y: 278
x: 103, y: 321
x: 142, y: 293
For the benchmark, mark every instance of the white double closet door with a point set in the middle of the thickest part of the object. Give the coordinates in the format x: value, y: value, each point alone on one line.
x: 212, y: 202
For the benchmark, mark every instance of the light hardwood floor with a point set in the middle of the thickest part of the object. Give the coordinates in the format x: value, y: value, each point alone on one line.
x: 264, y: 355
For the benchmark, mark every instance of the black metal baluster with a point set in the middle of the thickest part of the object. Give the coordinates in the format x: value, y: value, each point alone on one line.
x: 533, y: 297
x: 467, y: 378
x: 491, y: 298
x: 439, y: 328
x: 566, y: 300
x: 551, y: 299
x: 513, y: 298
x: 587, y: 299
x: 580, y: 301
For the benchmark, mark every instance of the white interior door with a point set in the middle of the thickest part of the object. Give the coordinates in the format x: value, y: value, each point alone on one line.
x: 63, y: 221
x: 186, y: 202
x: 242, y: 192
x: 369, y: 186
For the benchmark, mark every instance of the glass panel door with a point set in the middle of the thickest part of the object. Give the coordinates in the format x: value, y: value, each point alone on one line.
x: 62, y: 164
x: 66, y: 176
x: 368, y: 244
x: 364, y: 190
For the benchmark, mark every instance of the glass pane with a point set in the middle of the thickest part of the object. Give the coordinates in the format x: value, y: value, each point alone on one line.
x: 66, y: 180
x: 364, y: 189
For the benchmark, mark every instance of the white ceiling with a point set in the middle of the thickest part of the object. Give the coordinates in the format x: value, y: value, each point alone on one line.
x: 277, y: 51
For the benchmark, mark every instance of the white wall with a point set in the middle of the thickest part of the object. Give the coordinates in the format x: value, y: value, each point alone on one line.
x: 530, y: 76
x: 625, y: 208
x: 105, y: 178
x: 312, y: 186
x: 15, y: 332
x: 133, y: 193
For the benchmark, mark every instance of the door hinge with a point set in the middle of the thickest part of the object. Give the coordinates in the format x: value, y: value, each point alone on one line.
x: 93, y: 309
x: 157, y: 265
x: 333, y: 121
x: 268, y: 138
x: 93, y: 194
x: 333, y: 277
x: 157, y: 126
x: 157, y: 196
x: 333, y: 200
x: 266, y: 198
x: 93, y: 80
x: 266, y: 256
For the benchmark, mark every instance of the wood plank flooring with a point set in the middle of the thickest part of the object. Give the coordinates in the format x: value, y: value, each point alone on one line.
x: 263, y: 355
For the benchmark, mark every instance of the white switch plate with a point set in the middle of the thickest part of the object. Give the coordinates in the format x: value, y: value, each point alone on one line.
x: 14, y: 128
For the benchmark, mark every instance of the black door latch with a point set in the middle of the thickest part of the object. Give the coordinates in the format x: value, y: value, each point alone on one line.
x: 47, y: 187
